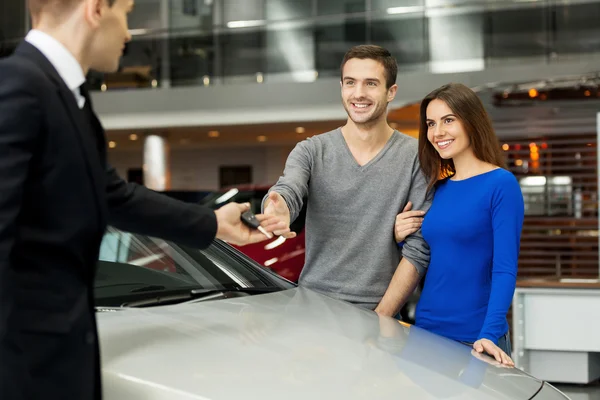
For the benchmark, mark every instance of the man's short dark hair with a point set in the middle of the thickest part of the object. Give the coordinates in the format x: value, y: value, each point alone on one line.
x: 36, y: 6
x: 377, y: 53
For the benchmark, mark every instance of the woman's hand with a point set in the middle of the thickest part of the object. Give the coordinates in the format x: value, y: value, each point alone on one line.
x: 407, y: 222
x: 490, y: 348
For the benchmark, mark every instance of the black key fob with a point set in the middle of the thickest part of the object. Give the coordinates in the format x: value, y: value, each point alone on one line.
x: 249, y: 219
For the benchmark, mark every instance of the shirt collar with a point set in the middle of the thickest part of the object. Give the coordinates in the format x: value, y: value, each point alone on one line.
x: 63, y: 61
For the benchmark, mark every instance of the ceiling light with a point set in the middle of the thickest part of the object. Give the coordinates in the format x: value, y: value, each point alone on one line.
x: 533, y: 181
x: 245, y: 24
x: 154, y: 83
x: 404, y: 10
x: 206, y: 80
x: 137, y: 32
x: 505, y: 147
x: 103, y: 87
x: 112, y: 144
x: 259, y: 77
x: 300, y: 129
x: 214, y: 134
x: 561, y: 180
x: 133, y: 137
x: 261, y: 138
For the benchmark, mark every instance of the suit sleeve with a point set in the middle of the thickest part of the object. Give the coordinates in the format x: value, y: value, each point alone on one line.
x: 19, y: 129
x: 135, y: 208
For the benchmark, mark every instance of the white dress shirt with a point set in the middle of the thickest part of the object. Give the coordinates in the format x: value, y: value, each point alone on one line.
x: 63, y: 61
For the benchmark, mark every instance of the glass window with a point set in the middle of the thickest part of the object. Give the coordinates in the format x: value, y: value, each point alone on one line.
x: 291, y: 54
x: 145, y: 15
x: 288, y: 9
x: 577, y: 29
x: 131, y: 265
x: 334, y: 40
x: 406, y: 37
x: 340, y: 7
x: 516, y: 33
x: 242, y: 10
x: 242, y: 55
x: 397, y: 6
x: 190, y: 14
x: 192, y: 59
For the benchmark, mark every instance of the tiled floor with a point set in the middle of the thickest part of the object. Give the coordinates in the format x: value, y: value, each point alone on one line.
x: 581, y: 392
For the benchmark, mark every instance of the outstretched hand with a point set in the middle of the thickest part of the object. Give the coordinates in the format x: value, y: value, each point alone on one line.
x: 230, y: 227
x: 277, y: 207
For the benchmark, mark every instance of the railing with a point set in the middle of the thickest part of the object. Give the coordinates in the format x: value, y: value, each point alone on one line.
x: 175, y: 43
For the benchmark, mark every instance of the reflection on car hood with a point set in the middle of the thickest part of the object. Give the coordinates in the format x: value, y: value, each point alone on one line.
x: 294, y: 344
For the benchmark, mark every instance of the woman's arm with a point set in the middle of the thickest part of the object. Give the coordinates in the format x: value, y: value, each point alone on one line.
x: 507, y: 222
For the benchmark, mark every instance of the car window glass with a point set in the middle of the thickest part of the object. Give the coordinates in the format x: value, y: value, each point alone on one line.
x: 130, y: 262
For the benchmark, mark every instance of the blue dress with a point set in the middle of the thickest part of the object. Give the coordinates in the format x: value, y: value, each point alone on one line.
x: 473, y: 229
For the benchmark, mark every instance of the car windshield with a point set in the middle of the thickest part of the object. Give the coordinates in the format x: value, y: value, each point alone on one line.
x: 131, y: 266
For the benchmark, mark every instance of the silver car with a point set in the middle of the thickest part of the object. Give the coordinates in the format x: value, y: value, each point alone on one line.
x: 178, y: 323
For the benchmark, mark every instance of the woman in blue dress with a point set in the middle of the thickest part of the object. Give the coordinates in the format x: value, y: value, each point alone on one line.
x: 473, y: 227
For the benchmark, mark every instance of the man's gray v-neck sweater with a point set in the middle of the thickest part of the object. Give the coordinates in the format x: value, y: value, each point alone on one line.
x: 351, y: 253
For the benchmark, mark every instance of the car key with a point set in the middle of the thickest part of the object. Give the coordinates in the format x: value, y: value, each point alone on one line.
x: 249, y: 219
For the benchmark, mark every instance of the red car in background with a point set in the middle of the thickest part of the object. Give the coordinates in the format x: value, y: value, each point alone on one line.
x: 284, y: 256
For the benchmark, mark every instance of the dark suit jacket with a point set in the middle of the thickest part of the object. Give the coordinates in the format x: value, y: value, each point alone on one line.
x: 57, y: 195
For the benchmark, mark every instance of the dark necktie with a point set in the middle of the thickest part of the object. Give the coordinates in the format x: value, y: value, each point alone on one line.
x: 86, y: 95
x: 97, y: 130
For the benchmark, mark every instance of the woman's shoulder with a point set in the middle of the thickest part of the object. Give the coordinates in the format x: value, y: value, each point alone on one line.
x: 504, y: 179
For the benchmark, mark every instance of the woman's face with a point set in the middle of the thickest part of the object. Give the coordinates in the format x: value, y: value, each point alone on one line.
x: 444, y: 130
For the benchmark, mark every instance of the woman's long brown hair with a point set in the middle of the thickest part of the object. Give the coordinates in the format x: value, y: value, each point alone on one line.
x: 469, y: 109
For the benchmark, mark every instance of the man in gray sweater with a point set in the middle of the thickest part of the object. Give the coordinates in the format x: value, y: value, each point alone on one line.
x: 356, y: 179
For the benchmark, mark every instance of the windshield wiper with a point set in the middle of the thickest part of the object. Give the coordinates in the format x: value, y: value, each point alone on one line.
x: 148, y: 288
x: 174, y: 296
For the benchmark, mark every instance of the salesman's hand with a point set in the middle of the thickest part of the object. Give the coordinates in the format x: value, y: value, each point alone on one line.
x: 407, y: 222
x: 231, y: 228
x: 276, y: 206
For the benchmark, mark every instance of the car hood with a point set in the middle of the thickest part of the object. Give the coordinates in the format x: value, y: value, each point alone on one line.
x: 293, y: 344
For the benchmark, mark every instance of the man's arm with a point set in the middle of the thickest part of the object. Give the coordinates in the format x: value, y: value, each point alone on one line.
x: 19, y: 128
x: 135, y: 208
x: 292, y: 186
x: 403, y: 284
x: 415, y: 252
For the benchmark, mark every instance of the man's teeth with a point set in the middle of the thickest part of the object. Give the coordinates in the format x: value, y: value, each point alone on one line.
x: 361, y: 105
